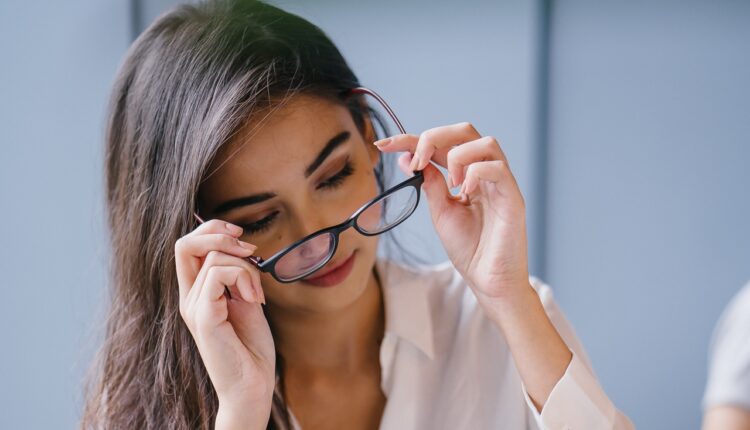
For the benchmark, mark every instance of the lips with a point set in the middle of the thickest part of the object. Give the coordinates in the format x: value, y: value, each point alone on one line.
x: 333, y: 275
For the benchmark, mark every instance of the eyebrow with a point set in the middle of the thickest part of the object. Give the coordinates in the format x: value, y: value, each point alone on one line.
x: 332, y: 144
x: 242, y: 201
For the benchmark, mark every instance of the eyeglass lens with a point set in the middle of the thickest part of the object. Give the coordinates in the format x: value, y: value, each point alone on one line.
x: 380, y: 216
x: 306, y: 257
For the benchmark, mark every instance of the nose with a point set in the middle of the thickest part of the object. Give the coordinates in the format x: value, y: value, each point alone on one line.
x: 309, y: 221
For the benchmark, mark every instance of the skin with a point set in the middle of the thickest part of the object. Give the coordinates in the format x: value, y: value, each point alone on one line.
x: 726, y: 418
x: 329, y: 337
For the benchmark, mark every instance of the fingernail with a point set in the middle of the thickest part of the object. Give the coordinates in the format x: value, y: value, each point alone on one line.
x: 414, y: 162
x: 258, y: 291
x: 469, y: 187
x: 247, y: 245
x: 234, y: 229
x: 382, y: 142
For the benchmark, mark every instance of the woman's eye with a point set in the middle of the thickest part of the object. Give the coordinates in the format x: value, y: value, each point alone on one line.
x: 260, y: 225
x: 339, y: 177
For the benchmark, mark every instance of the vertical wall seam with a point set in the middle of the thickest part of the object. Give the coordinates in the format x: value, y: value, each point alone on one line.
x: 541, y: 136
x: 136, y: 16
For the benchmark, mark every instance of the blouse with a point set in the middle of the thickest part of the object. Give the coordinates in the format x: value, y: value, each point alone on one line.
x: 729, y: 368
x: 445, y: 365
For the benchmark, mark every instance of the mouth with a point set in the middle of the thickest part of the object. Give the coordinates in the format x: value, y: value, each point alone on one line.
x: 333, y: 275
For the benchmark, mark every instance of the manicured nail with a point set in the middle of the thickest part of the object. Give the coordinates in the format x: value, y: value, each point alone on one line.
x: 414, y: 162
x: 382, y: 142
x: 247, y: 245
x: 234, y: 229
x: 258, y: 291
x: 469, y: 186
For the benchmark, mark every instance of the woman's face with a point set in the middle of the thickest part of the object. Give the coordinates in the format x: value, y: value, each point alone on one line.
x: 305, y: 167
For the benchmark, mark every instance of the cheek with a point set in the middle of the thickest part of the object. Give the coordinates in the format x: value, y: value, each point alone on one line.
x: 367, y: 189
x: 366, y: 186
x: 369, y: 220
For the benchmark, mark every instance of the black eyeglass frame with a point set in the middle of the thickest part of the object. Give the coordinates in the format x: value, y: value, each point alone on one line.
x: 416, y: 181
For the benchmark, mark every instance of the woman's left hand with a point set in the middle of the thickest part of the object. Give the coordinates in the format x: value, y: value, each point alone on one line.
x: 483, y: 229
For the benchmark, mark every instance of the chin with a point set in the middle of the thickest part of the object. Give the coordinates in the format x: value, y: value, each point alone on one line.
x: 351, y: 289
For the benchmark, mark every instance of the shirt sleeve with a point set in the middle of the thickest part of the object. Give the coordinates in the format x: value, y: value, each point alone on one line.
x: 729, y: 362
x: 577, y: 401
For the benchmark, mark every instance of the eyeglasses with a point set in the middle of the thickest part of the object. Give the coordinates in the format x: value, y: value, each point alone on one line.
x: 384, y: 212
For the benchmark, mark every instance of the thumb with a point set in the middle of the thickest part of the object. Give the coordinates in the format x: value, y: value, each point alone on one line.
x: 436, y: 189
x: 434, y: 186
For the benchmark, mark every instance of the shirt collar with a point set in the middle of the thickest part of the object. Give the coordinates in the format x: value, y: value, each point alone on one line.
x: 406, y: 303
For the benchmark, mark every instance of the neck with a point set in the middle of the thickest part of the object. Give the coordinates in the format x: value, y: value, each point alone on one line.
x: 340, y: 341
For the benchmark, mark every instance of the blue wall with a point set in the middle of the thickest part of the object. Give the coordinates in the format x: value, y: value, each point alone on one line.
x: 58, y: 62
x: 649, y: 190
x: 627, y: 132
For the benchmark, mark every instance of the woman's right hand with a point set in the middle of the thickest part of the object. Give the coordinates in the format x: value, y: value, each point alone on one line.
x: 232, y: 335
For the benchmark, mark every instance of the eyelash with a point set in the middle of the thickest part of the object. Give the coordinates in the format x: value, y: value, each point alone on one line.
x: 332, y: 182
x: 260, y: 225
x: 337, y: 179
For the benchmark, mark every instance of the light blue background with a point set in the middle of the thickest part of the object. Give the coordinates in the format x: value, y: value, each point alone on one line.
x: 628, y: 133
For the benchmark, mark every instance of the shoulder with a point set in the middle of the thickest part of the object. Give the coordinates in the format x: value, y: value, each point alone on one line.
x: 739, y: 307
x: 734, y: 323
x: 729, y: 367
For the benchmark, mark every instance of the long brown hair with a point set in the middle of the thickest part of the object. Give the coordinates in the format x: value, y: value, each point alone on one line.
x: 186, y: 86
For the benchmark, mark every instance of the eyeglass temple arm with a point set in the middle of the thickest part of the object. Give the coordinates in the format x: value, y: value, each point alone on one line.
x: 363, y: 90
x: 253, y: 258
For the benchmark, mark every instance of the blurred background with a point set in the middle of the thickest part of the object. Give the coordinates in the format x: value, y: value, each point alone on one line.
x: 626, y: 124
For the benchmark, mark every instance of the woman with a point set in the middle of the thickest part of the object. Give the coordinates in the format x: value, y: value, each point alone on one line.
x: 248, y: 116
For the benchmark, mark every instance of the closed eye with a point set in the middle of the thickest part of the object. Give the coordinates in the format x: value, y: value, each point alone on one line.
x: 334, y: 181
x: 260, y: 225
x: 337, y: 179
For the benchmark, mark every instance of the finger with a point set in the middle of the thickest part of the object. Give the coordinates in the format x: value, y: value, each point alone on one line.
x: 398, y: 143
x: 255, y: 275
x: 218, y: 258
x: 190, y: 250
x: 496, y: 172
x: 432, y: 144
x: 436, y: 190
x: 222, y: 278
x: 442, y: 139
x: 408, y: 143
x: 217, y: 226
x: 211, y: 310
x: 459, y: 157
x: 213, y: 226
x: 403, y: 163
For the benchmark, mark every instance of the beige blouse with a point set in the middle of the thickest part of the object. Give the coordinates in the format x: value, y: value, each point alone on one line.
x: 445, y: 365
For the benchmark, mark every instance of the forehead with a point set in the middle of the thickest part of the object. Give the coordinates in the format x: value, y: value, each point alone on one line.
x: 277, y: 145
